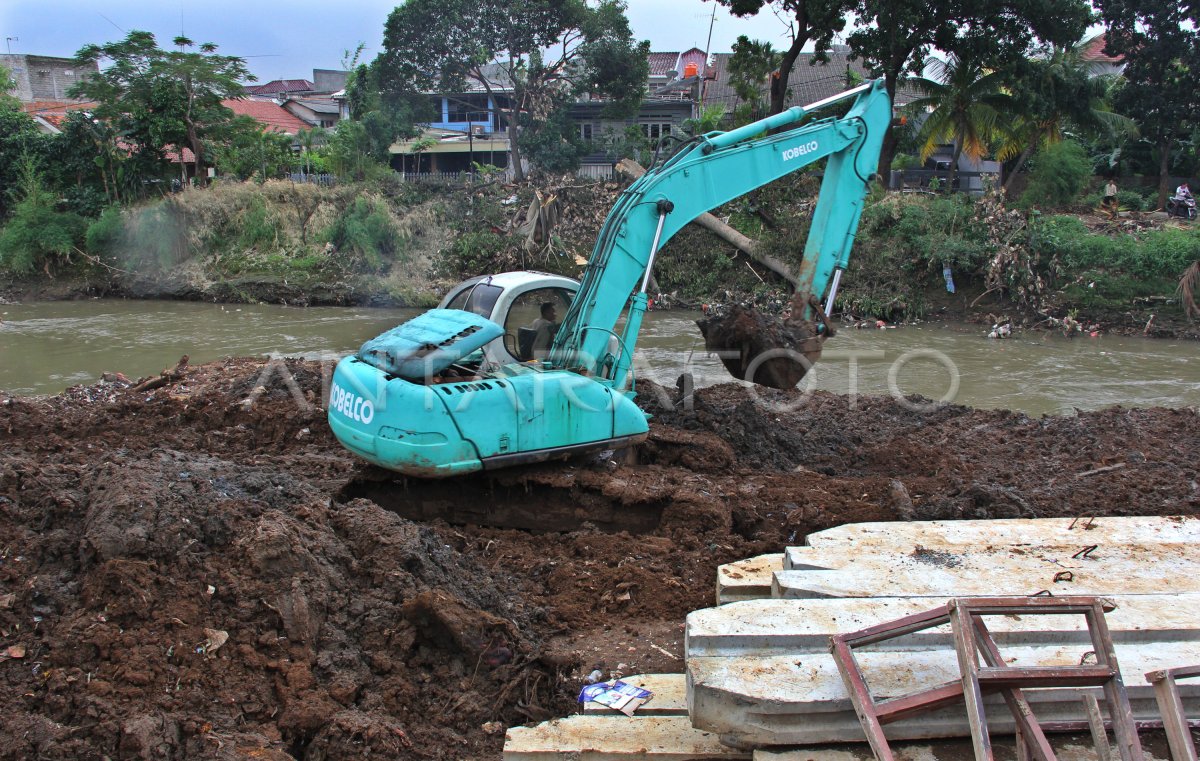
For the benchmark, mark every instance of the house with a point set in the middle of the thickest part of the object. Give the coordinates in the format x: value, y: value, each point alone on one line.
x: 316, y: 112
x: 49, y: 114
x: 45, y: 78
x: 271, y: 115
x: 1100, y: 63
x: 282, y: 89
x: 808, y: 81
x: 465, y: 124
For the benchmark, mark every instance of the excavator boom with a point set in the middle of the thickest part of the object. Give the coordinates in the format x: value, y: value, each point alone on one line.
x: 704, y: 174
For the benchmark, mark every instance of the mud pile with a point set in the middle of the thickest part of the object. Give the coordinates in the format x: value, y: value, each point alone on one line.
x: 762, y: 348
x: 199, y: 571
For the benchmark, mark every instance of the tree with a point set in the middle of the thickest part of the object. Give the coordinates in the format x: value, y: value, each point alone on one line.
x: 537, y: 54
x: 816, y: 21
x: 965, y: 104
x: 1160, y: 41
x: 1053, y: 92
x: 160, y: 99
x: 250, y: 150
x: 752, y: 62
x: 19, y: 140
x: 894, y: 37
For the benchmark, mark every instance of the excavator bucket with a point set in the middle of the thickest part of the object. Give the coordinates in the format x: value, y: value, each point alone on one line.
x: 763, y: 349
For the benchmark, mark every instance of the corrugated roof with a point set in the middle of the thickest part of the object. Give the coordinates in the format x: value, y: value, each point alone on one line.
x: 274, y: 116
x: 276, y: 86
x: 319, y: 105
x: 807, y: 83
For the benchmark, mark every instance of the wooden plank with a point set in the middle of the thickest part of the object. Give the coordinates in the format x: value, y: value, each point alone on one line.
x: 1096, y: 724
x: 1174, y: 716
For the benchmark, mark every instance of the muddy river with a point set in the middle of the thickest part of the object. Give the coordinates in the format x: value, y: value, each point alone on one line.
x: 46, y: 347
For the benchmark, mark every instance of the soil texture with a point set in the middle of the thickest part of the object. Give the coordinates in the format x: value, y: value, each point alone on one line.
x: 194, y: 568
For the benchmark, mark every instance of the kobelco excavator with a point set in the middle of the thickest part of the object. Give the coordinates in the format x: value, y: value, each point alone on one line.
x: 456, y: 390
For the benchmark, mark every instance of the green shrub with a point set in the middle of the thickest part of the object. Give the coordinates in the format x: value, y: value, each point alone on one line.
x: 1059, y: 175
x: 37, y: 236
x: 367, y: 231
x: 259, y: 228
x: 472, y: 253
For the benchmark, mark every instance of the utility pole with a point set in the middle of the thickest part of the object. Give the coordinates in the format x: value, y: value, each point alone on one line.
x: 708, y: 44
x: 10, y: 41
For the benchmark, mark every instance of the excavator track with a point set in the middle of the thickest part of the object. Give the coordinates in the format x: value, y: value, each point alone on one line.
x: 535, y: 498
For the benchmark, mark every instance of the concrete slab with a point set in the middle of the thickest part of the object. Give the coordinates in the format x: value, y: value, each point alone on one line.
x: 612, y: 738
x: 670, y: 696
x: 782, y: 700
x: 1149, y: 569
x: 783, y: 627
x: 951, y: 555
x: 1102, y: 531
x: 747, y: 579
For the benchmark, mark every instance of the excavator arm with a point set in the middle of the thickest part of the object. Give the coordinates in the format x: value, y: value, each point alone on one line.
x: 707, y: 172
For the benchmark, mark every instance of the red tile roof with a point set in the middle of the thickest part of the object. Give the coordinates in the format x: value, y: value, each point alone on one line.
x: 1093, y: 50
x: 276, y: 86
x: 274, y: 116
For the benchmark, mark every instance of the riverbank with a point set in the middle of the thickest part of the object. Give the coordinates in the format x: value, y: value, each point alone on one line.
x: 192, y: 571
x: 398, y: 245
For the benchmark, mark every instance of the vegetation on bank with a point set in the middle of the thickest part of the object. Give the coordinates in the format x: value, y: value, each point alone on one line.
x: 385, y: 241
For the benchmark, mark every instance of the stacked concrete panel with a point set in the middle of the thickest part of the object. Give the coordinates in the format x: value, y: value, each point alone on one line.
x: 760, y: 673
x: 760, y: 681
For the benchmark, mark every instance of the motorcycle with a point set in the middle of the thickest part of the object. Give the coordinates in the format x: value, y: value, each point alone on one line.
x: 1181, y: 207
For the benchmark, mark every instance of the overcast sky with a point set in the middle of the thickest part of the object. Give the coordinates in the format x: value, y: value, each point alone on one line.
x: 290, y: 39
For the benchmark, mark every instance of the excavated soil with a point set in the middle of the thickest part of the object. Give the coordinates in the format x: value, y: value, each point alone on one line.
x: 198, y: 570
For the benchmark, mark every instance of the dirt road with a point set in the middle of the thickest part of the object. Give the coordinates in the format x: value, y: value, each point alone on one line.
x: 195, y: 571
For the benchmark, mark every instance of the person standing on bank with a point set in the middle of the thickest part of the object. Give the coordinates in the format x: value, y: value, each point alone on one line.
x: 1110, y: 195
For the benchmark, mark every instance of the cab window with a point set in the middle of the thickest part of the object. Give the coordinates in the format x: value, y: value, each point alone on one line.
x: 479, y: 299
x: 525, y: 312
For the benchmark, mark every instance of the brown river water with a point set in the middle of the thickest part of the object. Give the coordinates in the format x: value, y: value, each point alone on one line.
x: 46, y: 347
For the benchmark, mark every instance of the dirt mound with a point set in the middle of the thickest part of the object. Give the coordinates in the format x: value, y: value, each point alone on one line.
x: 189, y: 572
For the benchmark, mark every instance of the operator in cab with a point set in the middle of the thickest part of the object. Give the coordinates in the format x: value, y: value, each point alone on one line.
x: 546, y: 326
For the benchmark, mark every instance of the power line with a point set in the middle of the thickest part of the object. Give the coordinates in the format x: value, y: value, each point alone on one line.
x: 106, y: 18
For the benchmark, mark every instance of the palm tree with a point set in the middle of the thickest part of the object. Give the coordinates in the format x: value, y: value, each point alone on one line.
x: 1051, y: 94
x: 964, y: 105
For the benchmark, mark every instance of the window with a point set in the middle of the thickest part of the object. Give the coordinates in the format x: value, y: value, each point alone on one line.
x: 520, y: 325
x: 483, y: 298
x: 586, y: 132
x: 656, y: 130
x: 468, y: 108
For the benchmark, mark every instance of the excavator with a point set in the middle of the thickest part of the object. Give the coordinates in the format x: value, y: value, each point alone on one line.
x: 454, y: 391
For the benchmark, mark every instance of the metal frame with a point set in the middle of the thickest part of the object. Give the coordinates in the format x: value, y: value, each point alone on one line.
x: 1170, y: 705
x: 973, y: 641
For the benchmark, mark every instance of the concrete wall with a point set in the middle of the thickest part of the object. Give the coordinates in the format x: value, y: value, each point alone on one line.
x: 44, y: 77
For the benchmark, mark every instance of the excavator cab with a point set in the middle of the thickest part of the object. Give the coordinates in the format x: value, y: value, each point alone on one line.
x: 512, y: 300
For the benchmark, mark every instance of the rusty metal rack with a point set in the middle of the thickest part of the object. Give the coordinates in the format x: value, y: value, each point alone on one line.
x: 973, y: 642
x: 1170, y: 705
